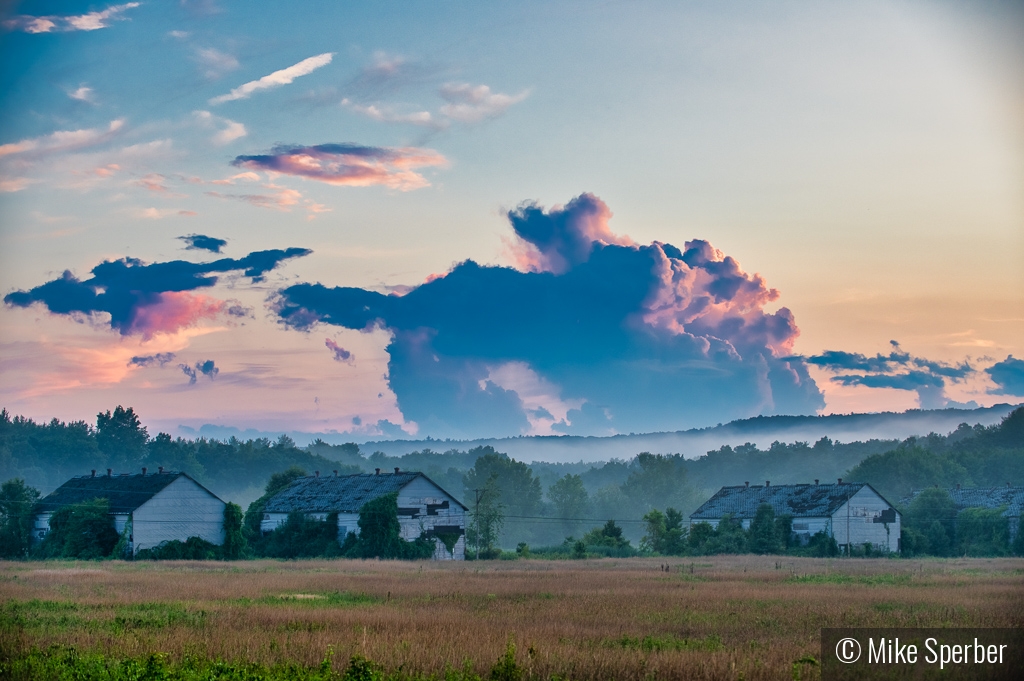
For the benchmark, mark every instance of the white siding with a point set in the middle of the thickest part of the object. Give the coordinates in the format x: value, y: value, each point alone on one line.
x: 181, y: 510
x: 418, y: 494
x: 800, y: 525
x: 854, y: 522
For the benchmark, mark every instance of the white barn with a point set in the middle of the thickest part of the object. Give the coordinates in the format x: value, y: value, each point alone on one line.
x: 853, y: 513
x: 423, y: 507
x: 160, y: 507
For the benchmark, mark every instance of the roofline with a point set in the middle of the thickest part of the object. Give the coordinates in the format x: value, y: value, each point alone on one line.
x: 37, y: 509
x: 415, y: 474
x: 861, y: 485
x: 428, y: 479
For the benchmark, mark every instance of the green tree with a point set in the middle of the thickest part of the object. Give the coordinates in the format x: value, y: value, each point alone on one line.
x: 659, y: 481
x: 380, y: 533
x: 254, y: 514
x: 982, y: 532
x: 763, y: 535
x: 17, y: 516
x: 235, y: 545
x: 609, y: 535
x: 571, y: 502
x: 121, y: 437
x: 488, y: 513
x: 654, y: 536
x: 302, y: 537
x: 85, y: 531
x: 933, y: 514
x: 519, y: 491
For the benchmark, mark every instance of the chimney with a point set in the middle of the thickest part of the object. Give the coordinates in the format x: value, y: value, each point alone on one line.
x: 840, y: 481
x: 160, y: 470
x: 378, y: 471
x: 317, y: 473
x: 396, y: 469
x: 767, y: 483
x: 110, y: 471
x: 143, y: 470
x: 958, y: 485
x: 747, y: 484
x: 1007, y: 484
x: 94, y: 475
x: 335, y: 473
x: 815, y: 481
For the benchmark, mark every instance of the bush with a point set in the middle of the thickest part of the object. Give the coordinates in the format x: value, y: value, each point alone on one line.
x: 85, y: 531
x: 192, y: 548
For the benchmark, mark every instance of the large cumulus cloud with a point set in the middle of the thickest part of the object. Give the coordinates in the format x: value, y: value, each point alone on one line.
x: 625, y: 337
x: 143, y: 299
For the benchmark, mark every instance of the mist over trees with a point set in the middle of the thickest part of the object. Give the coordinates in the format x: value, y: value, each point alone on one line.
x: 536, y: 504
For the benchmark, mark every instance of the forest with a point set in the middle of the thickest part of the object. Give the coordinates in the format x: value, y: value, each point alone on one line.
x: 550, y: 507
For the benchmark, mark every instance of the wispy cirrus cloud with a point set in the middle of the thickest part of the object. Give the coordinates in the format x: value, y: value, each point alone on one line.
x: 83, y: 94
x: 465, y: 103
x: 276, y: 79
x: 349, y: 165
x: 63, y: 140
x: 215, y: 64
x: 386, y: 114
x: 227, y: 130
x: 474, y: 103
x: 53, y: 23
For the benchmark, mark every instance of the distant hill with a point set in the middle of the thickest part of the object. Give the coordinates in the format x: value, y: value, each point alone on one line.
x: 761, y: 431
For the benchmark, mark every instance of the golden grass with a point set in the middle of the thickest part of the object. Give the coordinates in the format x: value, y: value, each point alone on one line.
x: 707, y: 618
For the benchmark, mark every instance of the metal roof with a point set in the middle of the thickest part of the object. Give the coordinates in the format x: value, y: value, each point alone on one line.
x: 799, y: 501
x: 341, y: 493
x: 124, y: 492
x: 984, y: 497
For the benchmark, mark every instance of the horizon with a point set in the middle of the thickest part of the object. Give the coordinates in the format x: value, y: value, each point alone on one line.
x: 491, y: 222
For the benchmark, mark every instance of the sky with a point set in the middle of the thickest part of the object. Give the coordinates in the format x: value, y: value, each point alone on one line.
x: 463, y: 220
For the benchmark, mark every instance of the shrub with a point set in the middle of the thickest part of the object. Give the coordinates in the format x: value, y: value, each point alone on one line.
x: 84, y: 531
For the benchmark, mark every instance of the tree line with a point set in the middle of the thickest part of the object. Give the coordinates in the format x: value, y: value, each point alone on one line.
x: 513, y: 503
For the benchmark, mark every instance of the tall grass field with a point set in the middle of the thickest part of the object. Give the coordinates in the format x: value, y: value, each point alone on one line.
x: 728, y: 617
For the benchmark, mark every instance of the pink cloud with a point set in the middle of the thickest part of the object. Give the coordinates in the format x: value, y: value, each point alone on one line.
x: 558, y: 239
x: 90, y: 21
x: 340, y: 353
x: 349, y: 164
x: 173, y: 311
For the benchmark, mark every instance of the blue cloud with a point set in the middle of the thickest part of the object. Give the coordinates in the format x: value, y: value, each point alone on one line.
x: 899, y: 370
x: 148, y: 298
x: 201, y: 242
x: 1008, y: 375
x: 647, y: 337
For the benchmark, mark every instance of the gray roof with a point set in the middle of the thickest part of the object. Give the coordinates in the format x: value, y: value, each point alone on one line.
x: 340, y: 493
x: 799, y: 501
x: 984, y: 497
x: 124, y: 492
